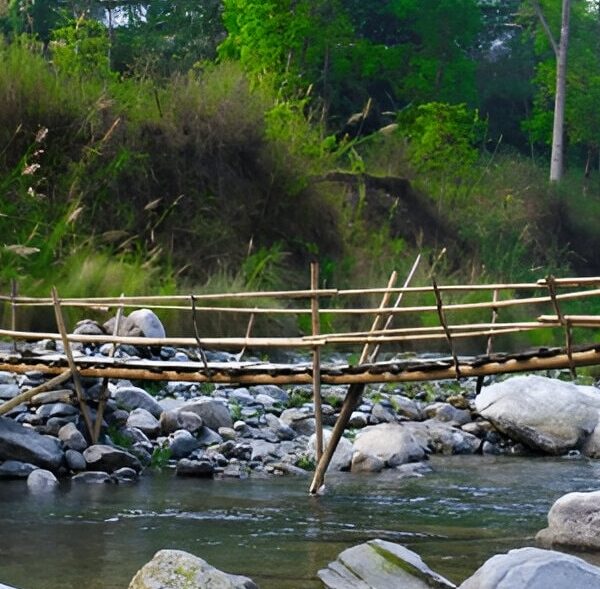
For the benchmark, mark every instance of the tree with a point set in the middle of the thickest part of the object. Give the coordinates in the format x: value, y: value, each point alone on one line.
x: 560, y: 49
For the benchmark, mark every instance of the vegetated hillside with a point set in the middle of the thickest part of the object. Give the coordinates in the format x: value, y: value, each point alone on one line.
x: 206, y: 181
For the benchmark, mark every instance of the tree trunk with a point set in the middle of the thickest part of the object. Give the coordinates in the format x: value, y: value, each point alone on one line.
x: 556, y: 164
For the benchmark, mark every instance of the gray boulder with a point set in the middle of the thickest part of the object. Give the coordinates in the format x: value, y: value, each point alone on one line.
x: 448, y: 413
x: 366, y: 463
x: 175, y: 419
x: 8, y: 391
x: 195, y: 468
x: 342, y: 457
x: 176, y: 569
x: 139, y: 323
x: 442, y: 438
x: 108, y: 459
x: 41, y: 481
x: 214, y: 413
x: 573, y: 521
x: 130, y: 398
x: 75, y: 460
x: 543, y: 413
x: 20, y: 443
x: 533, y: 568
x: 378, y: 564
x: 144, y: 421
x: 393, y: 443
x: 182, y: 443
x: 72, y: 438
x: 302, y: 421
x: 14, y: 469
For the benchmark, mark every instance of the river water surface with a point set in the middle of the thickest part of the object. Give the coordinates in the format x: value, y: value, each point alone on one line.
x: 455, y: 517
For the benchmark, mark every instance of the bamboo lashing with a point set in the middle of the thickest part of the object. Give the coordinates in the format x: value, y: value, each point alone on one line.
x: 316, y: 361
x: 352, y: 397
x: 72, y: 366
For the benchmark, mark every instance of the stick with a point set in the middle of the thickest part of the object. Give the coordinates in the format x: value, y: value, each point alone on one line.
x: 13, y: 310
x: 488, y: 348
x: 246, y: 337
x: 72, y: 366
x: 352, y: 397
x: 314, y: 285
x: 551, y: 284
x: 48, y: 385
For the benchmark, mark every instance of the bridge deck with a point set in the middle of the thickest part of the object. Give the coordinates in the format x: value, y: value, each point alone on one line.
x: 405, y: 369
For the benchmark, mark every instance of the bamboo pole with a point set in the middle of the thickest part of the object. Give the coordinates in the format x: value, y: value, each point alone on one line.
x: 576, y: 320
x: 551, y: 284
x: 488, y: 347
x: 442, y: 318
x: 72, y: 366
x: 246, y: 337
x: 27, y: 395
x: 13, y: 310
x: 104, y: 389
x: 397, y: 304
x: 316, y: 364
x: 352, y: 397
x: 197, y: 335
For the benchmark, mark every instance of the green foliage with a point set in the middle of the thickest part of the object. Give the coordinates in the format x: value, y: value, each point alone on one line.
x: 81, y: 48
x: 235, y: 409
x: 442, y: 137
x: 160, y: 457
x: 298, y: 397
x: 306, y: 462
x: 119, y: 438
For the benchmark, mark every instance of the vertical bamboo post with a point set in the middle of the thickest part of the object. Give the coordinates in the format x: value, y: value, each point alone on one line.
x: 104, y: 389
x: 488, y: 348
x: 248, y: 332
x: 352, y: 397
x: 316, y: 356
x: 551, y: 284
x: 69, y: 354
x: 13, y: 310
x: 444, y: 324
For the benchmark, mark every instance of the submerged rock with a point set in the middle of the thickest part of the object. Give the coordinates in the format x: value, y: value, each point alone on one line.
x: 534, y: 568
x: 41, y: 481
x: 379, y: 564
x: 543, y: 413
x: 176, y: 569
x: 573, y: 521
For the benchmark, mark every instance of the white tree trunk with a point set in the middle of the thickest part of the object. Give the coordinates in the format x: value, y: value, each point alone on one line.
x: 557, y: 159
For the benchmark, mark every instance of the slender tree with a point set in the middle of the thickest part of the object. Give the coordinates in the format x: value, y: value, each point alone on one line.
x: 560, y: 49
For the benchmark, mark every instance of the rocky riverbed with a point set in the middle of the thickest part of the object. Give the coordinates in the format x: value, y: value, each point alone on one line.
x: 224, y: 431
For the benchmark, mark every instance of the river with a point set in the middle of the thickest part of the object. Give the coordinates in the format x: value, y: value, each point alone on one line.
x: 455, y: 517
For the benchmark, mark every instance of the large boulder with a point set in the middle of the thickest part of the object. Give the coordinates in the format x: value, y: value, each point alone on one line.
x: 41, y: 481
x: 213, y: 412
x: 176, y: 569
x: 573, y: 520
x: 108, y: 459
x: 393, y: 443
x: 342, y: 457
x: 26, y: 445
x: 378, y: 564
x: 534, y: 568
x: 543, y: 413
x: 139, y: 323
x: 130, y: 398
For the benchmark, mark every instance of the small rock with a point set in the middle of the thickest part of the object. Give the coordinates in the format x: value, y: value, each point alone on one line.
x: 75, y: 460
x: 125, y: 475
x: 195, y: 468
x: 130, y: 398
x: 358, y: 419
x: 366, y: 463
x: 214, y: 413
x: 41, y: 481
x: 182, y: 443
x: 92, y: 477
x: 72, y: 438
x: 59, y: 396
x: 109, y: 459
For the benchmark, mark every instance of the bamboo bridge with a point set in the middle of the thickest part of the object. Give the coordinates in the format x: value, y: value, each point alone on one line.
x: 547, y: 304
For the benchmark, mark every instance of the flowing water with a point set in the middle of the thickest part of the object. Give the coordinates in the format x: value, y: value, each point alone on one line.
x: 455, y: 517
